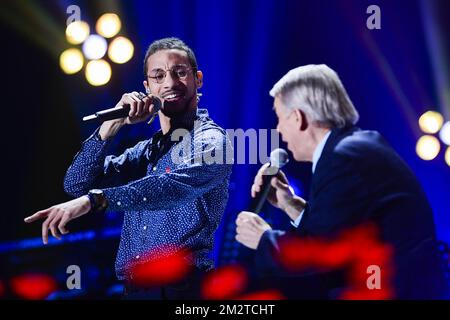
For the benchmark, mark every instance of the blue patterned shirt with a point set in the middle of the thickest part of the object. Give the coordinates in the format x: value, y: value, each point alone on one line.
x: 171, y: 193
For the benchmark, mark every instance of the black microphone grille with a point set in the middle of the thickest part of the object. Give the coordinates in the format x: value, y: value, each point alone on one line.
x: 157, y: 103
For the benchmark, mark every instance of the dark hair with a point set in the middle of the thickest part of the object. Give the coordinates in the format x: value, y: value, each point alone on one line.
x: 167, y: 44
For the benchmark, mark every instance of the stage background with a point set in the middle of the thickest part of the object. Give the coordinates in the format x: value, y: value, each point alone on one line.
x: 392, y: 75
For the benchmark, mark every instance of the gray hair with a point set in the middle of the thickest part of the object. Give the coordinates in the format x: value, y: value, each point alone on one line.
x: 319, y: 93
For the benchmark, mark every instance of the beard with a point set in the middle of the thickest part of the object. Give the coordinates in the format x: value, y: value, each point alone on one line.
x: 173, y: 109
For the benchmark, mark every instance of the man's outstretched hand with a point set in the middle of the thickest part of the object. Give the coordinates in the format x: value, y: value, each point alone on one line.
x: 57, y: 216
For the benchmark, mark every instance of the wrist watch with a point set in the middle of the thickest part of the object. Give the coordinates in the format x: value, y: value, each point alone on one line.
x: 98, y: 200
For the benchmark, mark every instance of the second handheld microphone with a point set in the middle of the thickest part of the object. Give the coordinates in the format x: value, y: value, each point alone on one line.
x: 278, y: 158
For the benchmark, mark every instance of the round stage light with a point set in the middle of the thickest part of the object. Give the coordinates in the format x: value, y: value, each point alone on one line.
x: 98, y: 72
x: 71, y: 61
x: 108, y: 25
x: 431, y: 121
x: 447, y: 156
x: 77, y: 32
x: 444, y: 134
x: 428, y: 147
x: 120, y: 50
x: 94, y: 47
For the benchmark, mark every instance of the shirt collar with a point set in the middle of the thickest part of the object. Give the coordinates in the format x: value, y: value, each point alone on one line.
x: 185, y: 120
x: 318, y: 151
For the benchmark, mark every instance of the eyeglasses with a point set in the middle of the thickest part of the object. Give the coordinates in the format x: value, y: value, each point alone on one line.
x: 179, y: 71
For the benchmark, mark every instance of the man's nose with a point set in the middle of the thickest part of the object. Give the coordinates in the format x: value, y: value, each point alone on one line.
x: 170, y: 80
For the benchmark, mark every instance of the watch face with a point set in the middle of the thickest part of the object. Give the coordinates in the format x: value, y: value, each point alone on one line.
x: 98, y: 200
x: 96, y: 191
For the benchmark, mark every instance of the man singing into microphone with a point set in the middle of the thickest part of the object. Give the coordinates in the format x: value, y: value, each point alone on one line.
x: 357, y: 178
x: 168, y: 201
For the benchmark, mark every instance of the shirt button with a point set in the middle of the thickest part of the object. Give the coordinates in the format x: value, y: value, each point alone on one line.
x: 119, y: 203
x: 145, y: 199
x: 145, y: 227
x: 138, y: 256
x: 154, y: 168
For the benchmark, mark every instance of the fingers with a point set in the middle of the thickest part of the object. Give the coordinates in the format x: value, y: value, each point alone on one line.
x: 58, y: 216
x: 45, y: 227
x: 281, y: 182
x: 282, y: 177
x: 150, y: 103
x: 62, y: 224
x: 141, y: 104
x: 138, y: 105
x: 253, y: 191
x: 49, y: 223
x: 245, y: 227
x: 147, y: 108
x: 135, y: 102
x: 277, y: 184
x: 258, y: 181
x: 242, y: 216
x: 56, y: 223
x: 127, y: 98
x: 53, y: 227
x: 250, y: 228
x: 38, y: 215
x: 246, y: 217
x: 246, y: 214
x: 259, y: 175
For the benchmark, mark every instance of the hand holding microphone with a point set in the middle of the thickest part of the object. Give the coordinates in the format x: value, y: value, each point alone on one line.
x: 271, y: 183
x: 132, y: 108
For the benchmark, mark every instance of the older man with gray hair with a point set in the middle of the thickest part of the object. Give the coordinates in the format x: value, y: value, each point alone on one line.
x: 357, y: 178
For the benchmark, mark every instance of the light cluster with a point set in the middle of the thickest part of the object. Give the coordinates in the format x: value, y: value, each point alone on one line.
x: 94, y: 47
x: 428, y: 146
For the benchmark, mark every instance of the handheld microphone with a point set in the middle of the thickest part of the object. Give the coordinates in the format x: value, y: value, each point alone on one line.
x: 118, y: 112
x: 278, y: 158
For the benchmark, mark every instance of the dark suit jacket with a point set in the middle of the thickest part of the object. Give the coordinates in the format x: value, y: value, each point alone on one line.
x: 360, y: 178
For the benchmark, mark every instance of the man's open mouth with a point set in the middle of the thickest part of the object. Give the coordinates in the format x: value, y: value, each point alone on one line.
x: 173, y: 96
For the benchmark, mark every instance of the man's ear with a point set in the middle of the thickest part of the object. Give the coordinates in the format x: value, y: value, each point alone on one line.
x: 147, y: 88
x: 303, y: 123
x: 199, y: 79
